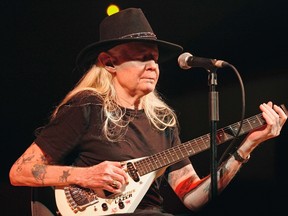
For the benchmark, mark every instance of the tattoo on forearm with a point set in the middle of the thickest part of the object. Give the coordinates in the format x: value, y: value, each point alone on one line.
x: 39, y: 172
x: 207, y: 188
x: 44, y: 159
x: 187, y: 184
x: 64, y: 176
x: 23, y: 160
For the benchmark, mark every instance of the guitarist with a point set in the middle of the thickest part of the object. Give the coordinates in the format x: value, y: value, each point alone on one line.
x: 115, y: 114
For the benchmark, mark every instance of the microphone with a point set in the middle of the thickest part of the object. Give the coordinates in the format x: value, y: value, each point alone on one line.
x: 187, y: 61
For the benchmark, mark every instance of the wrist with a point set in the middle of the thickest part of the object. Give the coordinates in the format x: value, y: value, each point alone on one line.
x: 240, y: 158
x: 77, y: 176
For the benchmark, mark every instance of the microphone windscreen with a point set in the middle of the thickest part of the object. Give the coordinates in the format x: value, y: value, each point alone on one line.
x: 183, y: 59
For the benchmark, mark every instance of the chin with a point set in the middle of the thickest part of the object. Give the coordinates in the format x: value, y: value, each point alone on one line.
x: 148, y: 90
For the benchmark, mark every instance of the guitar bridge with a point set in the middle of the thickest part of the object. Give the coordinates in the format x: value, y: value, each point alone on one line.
x: 80, y: 198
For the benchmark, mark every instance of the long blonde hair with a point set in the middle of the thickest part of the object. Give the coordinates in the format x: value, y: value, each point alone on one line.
x: 98, y: 80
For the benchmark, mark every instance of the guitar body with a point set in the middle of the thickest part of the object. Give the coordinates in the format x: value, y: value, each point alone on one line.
x: 95, y: 202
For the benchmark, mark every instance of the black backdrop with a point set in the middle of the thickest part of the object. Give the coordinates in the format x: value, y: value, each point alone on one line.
x: 39, y: 43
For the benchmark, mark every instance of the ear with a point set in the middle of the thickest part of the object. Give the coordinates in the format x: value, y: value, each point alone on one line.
x: 106, y: 61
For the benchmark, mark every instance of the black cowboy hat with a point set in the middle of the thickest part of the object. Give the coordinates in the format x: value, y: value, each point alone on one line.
x: 126, y: 26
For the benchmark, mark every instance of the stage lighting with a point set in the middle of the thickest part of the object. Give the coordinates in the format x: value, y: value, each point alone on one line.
x: 112, y: 9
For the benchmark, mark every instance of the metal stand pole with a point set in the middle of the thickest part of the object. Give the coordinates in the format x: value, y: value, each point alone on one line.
x: 214, y: 118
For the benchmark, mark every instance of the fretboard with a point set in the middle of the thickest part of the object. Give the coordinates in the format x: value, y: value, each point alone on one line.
x: 195, y: 146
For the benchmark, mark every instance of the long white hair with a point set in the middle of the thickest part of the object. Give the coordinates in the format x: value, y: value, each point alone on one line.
x: 99, y: 81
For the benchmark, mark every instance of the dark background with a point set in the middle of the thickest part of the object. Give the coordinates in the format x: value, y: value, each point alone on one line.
x: 39, y: 44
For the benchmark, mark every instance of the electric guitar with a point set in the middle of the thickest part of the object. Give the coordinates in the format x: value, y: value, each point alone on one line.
x: 74, y: 200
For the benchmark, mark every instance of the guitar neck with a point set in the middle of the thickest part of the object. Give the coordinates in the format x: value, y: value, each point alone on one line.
x: 195, y: 146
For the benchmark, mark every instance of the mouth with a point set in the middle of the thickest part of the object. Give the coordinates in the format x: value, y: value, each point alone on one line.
x: 149, y: 80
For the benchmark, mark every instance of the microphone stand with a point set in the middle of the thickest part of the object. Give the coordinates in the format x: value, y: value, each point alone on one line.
x: 214, y: 118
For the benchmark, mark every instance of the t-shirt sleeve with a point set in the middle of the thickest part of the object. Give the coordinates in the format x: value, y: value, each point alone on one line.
x: 62, y: 134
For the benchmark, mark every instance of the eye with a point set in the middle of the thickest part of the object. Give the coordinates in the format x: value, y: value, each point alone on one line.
x: 149, y: 57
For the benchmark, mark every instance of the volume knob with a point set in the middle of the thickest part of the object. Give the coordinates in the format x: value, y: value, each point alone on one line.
x: 104, y: 207
x: 121, y: 205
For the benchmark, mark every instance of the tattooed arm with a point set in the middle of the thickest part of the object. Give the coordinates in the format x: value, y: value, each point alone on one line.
x: 195, y: 192
x: 33, y: 168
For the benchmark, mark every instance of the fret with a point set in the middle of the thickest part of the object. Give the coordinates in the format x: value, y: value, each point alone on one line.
x: 154, y: 163
x: 148, y: 163
x: 245, y: 126
x: 205, y: 141
x: 181, y: 152
x: 174, y: 152
x: 231, y: 130
x: 160, y: 159
x: 165, y: 159
x: 169, y: 156
x: 140, y: 167
x: 241, y: 129
x: 250, y: 126
x: 187, y: 151
x: 219, y: 136
x: 189, y: 148
x: 196, y: 146
x: 255, y: 122
x: 235, y: 129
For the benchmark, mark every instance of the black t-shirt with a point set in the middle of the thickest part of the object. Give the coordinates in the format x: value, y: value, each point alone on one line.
x: 75, y: 138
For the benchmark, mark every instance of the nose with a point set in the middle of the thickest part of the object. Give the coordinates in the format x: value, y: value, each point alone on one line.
x: 151, y: 65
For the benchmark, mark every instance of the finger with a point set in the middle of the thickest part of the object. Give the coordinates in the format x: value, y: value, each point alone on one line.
x: 278, y: 113
x: 117, y: 164
x: 273, y: 127
x: 121, y: 172
x: 120, y: 178
x: 269, y: 110
x: 270, y: 115
x: 115, y: 184
x: 282, y: 114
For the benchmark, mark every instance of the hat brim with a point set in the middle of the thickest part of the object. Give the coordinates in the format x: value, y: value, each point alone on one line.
x: 88, y: 55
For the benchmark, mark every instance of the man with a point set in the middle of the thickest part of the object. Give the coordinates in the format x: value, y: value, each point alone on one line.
x: 114, y: 116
